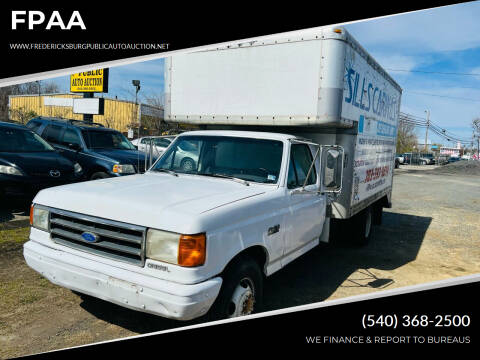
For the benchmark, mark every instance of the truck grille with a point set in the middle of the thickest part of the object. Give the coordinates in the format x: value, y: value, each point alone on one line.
x: 113, y: 239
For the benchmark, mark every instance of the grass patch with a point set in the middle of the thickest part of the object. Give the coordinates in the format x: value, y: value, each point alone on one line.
x: 23, y: 290
x: 13, y: 239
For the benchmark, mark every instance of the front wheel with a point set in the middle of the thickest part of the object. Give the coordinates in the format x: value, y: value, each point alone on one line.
x: 187, y: 165
x: 362, y: 227
x: 242, y: 290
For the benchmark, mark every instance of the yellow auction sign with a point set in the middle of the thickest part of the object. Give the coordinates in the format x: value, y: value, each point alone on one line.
x: 89, y: 81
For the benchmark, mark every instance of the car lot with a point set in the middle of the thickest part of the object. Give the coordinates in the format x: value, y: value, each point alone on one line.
x: 431, y: 233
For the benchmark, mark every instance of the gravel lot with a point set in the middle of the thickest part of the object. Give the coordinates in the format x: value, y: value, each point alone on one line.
x: 431, y: 233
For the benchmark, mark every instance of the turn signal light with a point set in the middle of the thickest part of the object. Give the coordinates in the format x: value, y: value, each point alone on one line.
x: 192, y: 250
x: 31, y: 214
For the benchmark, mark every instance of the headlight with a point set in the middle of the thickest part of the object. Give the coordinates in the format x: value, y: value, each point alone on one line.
x: 77, y: 168
x: 10, y: 170
x: 39, y: 218
x: 173, y: 248
x: 123, y: 169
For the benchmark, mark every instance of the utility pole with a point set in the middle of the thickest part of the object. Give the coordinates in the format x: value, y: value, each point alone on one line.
x: 39, y: 94
x: 136, y: 83
x: 426, y: 132
x: 478, y: 147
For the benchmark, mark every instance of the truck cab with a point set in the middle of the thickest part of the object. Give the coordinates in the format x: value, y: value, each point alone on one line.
x: 255, y: 202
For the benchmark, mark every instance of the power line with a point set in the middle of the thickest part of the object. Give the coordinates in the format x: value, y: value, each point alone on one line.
x: 442, y: 96
x: 419, y: 122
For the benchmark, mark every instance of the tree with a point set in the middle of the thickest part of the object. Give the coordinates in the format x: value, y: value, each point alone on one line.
x: 22, y: 115
x: 406, y: 138
x: 30, y: 88
x: 156, y: 123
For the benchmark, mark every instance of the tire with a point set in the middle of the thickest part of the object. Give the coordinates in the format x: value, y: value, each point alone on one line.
x: 362, y: 227
x: 377, y: 214
x: 242, y: 290
x: 187, y: 164
x: 99, y: 175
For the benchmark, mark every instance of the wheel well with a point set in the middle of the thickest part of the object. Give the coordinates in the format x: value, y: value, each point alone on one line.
x: 257, y: 253
x: 95, y: 170
x: 383, y: 202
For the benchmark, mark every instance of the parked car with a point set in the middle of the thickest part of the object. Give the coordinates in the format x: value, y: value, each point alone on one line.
x: 397, y: 162
x: 420, y: 158
x: 186, y: 156
x: 101, y: 152
x: 426, y: 159
x: 453, y: 159
x: 28, y: 163
x: 160, y: 143
x: 407, y: 158
x: 401, y: 158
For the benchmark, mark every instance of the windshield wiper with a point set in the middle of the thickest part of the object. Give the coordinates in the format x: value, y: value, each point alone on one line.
x: 171, y: 172
x: 241, y: 181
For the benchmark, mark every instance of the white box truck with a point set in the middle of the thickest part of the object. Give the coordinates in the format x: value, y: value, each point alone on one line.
x: 296, y: 134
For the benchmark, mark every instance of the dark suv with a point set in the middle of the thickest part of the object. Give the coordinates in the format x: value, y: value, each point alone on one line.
x: 101, y: 152
x: 28, y: 163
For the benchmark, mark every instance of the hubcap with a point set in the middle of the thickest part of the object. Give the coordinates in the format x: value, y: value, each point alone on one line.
x: 187, y: 166
x: 243, y: 299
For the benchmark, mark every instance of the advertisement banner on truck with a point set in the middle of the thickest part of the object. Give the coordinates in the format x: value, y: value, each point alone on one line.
x: 374, y: 156
x: 373, y: 100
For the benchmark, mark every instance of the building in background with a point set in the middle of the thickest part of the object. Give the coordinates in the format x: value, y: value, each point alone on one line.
x: 120, y: 115
x: 452, y: 151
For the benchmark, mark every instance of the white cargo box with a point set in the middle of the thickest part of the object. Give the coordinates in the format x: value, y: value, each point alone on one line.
x: 323, y: 86
x: 321, y: 79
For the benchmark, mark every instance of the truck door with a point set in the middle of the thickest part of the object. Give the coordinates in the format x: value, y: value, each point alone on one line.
x: 306, y: 210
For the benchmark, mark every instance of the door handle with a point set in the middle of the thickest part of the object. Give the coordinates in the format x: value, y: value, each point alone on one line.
x: 274, y: 229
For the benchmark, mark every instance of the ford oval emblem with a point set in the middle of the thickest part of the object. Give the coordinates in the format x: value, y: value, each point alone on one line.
x: 90, y: 237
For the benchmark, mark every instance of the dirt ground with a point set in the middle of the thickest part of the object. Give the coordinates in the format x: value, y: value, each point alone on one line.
x: 431, y: 233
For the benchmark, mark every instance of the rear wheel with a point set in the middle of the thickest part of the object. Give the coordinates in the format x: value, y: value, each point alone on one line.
x: 242, y: 290
x: 362, y: 227
x: 377, y: 214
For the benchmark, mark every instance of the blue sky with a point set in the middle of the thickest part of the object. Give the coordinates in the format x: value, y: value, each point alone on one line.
x: 445, y: 39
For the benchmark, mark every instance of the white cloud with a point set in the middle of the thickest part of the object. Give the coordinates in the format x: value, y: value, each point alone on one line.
x: 394, y: 61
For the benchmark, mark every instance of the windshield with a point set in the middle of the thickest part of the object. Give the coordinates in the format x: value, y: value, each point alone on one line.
x: 256, y: 160
x: 106, y: 140
x: 18, y: 140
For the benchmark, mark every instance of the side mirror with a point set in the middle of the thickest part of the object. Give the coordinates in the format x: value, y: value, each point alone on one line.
x: 332, y: 169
